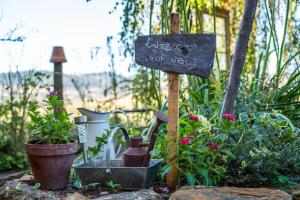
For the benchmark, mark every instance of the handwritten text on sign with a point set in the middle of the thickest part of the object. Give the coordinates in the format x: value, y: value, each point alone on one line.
x: 183, y: 54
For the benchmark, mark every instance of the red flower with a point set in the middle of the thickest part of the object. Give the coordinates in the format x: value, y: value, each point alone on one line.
x: 185, y: 140
x: 229, y: 116
x: 192, y: 134
x: 213, y: 146
x: 193, y: 117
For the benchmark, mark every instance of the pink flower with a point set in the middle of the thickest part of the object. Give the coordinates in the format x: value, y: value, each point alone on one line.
x: 53, y: 93
x: 229, y: 116
x: 193, y: 117
x: 192, y: 134
x: 185, y: 140
x: 213, y: 146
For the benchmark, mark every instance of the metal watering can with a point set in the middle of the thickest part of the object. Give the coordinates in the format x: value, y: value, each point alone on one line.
x: 97, y: 125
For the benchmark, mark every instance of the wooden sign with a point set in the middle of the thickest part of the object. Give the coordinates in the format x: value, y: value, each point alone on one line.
x: 191, y: 54
x: 176, y: 54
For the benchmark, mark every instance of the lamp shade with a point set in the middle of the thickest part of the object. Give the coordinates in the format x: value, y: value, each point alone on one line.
x: 58, y: 55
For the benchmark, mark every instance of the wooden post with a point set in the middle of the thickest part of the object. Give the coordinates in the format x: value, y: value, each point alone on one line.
x: 58, y: 57
x: 173, y: 114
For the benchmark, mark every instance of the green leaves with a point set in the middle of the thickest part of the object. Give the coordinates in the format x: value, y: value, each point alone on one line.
x: 37, y: 186
x: 51, y: 124
x: 112, y: 185
x: 267, y: 150
x: 191, y: 178
x: 203, y: 172
x: 77, y: 184
x: 166, y: 169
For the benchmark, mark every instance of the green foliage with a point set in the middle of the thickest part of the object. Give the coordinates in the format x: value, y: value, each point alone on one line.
x: 19, y: 88
x: 259, y: 150
x: 53, y: 126
x: 112, y: 185
x: 9, y: 160
x: 266, y: 148
x: 77, y: 184
x: 36, y: 186
x: 101, y: 141
x: 203, y: 155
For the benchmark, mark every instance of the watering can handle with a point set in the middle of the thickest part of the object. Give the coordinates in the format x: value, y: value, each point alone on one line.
x: 109, y: 142
x: 126, y: 115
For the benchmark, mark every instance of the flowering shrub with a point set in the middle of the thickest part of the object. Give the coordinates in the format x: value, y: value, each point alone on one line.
x: 202, y: 154
x: 258, y: 150
x: 50, y: 124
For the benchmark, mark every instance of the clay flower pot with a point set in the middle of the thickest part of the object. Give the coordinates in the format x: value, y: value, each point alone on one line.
x: 51, y: 163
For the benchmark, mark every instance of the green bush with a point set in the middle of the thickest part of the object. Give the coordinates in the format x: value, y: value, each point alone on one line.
x: 203, y: 155
x: 50, y: 124
x: 19, y: 89
x: 10, y: 160
x: 258, y: 150
x: 267, y: 150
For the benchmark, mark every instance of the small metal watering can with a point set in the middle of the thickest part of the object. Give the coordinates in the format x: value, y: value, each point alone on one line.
x: 136, y: 155
x: 98, y: 124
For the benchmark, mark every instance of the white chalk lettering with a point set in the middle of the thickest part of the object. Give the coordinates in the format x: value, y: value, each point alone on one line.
x: 184, y: 61
x: 156, y: 59
x: 156, y: 45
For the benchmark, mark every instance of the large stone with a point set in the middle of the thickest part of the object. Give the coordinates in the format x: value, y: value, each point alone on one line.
x: 15, y: 190
x: 28, y: 179
x: 294, y: 190
x: 75, y: 196
x: 10, y: 176
x: 138, y: 195
x: 229, y: 193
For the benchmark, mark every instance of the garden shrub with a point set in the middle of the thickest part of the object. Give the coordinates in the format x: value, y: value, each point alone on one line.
x: 203, y: 155
x: 259, y: 150
x: 21, y: 88
x: 267, y: 150
x: 8, y: 159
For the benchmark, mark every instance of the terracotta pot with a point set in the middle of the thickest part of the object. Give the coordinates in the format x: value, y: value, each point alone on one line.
x: 51, y: 163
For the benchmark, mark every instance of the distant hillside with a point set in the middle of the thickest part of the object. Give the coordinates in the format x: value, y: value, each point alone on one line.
x: 94, y: 84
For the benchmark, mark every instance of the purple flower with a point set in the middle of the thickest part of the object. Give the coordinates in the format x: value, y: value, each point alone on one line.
x: 53, y: 92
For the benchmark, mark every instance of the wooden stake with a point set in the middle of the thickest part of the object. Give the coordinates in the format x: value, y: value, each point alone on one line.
x: 173, y: 114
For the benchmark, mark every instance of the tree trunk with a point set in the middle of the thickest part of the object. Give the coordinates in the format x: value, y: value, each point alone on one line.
x: 239, y: 57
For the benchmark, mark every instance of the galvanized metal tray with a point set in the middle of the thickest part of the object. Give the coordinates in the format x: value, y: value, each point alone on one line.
x: 129, y: 178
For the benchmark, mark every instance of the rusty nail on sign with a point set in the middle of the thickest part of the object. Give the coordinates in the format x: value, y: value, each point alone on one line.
x: 191, y: 54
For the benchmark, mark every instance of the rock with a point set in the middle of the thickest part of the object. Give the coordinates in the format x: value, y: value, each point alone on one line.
x: 104, y: 193
x: 14, y: 190
x: 226, y: 193
x: 138, y: 195
x: 28, y: 179
x: 294, y: 190
x: 11, y: 176
x: 296, y: 195
x: 75, y: 196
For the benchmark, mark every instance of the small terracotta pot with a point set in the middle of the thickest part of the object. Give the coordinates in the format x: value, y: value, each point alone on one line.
x: 51, y: 163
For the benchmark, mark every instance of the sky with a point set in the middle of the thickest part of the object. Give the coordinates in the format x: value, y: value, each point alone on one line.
x: 78, y: 26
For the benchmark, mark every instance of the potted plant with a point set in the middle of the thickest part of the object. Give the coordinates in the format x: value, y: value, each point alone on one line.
x: 51, y: 150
